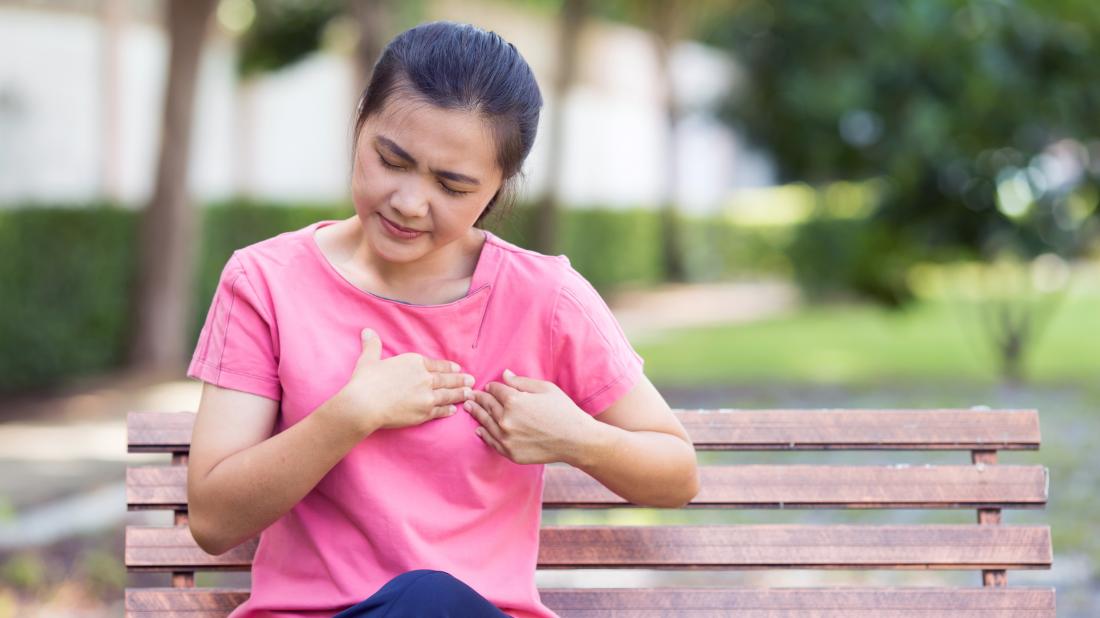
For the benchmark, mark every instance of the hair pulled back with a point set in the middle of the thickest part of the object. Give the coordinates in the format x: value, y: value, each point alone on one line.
x: 462, y: 67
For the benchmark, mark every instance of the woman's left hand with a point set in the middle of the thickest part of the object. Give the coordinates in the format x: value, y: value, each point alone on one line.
x: 529, y: 421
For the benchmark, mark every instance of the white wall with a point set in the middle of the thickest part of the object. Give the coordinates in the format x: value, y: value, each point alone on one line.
x: 285, y: 136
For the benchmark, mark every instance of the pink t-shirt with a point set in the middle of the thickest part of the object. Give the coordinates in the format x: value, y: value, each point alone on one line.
x: 284, y: 324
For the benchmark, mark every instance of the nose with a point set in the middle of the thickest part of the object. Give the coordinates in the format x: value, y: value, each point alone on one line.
x: 410, y: 201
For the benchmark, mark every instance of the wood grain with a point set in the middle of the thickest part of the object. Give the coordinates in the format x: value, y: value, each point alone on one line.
x: 689, y: 602
x: 693, y: 547
x: 730, y: 429
x: 747, y: 486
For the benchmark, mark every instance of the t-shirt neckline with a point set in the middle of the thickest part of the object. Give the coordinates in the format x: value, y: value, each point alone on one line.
x: 479, y: 280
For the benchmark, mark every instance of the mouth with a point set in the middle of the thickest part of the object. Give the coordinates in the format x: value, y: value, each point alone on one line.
x: 397, y: 230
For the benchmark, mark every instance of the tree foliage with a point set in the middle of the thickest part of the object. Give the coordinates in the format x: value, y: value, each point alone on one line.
x: 283, y: 32
x: 980, y: 116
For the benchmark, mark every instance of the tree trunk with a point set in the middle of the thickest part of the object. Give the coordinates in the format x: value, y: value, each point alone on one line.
x: 667, y: 19
x: 546, y: 214
x: 374, y: 20
x: 167, y: 229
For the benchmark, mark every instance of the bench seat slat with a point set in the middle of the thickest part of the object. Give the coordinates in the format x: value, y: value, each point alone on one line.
x: 684, y: 602
x: 747, y: 486
x: 728, y: 429
x: 690, y: 547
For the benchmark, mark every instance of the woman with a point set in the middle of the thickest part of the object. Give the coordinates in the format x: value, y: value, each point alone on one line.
x: 336, y: 359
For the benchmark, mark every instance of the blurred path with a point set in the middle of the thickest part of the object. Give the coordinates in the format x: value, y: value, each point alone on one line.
x: 646, y: 314
x: 65, y: 452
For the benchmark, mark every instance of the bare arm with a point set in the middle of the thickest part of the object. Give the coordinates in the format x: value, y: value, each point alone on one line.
x: 639, y: 450
x: 241, y: 479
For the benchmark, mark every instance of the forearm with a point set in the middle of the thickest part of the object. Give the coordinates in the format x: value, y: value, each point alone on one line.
x: 647, y: 468
x: 250, y: 490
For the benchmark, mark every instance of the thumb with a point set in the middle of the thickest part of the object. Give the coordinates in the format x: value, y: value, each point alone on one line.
x: 529, y: 385
x: 372, y: 346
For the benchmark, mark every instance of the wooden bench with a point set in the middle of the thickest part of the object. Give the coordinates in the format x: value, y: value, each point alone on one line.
x: 986, y: 545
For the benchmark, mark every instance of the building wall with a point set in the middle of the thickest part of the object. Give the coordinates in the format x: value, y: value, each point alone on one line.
x: 68, y: 135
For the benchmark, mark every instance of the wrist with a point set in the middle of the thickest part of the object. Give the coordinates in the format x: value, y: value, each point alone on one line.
x: 595, y: 442
x: 337, y: 411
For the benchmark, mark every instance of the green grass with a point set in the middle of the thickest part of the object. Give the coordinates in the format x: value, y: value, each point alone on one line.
x: 931, y: 340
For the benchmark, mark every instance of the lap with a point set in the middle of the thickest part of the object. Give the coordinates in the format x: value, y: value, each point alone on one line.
x: 423, y: 592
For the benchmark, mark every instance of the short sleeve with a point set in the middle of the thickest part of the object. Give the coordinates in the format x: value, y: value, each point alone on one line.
x: 594, y: 362
x: 236, y: 345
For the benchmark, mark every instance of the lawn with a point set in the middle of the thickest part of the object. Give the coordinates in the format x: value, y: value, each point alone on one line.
x: 930, y: 340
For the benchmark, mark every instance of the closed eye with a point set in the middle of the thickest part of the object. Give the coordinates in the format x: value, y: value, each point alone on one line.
x: 452, y: 191
x: 388, y: 164
x: 445, y: 188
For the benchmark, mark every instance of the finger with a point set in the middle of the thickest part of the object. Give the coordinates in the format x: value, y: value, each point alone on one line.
x: 521, y: 383
x: 488, y: 439
x: 452, y: 380
x: 490, y: 404
x: 487, y: 422
x: 444, y: 396
x: 502, y: 392
x: 372, y: 346
x: 441, y: 366
x: 444, y: 411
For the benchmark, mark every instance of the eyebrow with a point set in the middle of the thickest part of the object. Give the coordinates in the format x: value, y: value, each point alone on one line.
x: 399, y: 151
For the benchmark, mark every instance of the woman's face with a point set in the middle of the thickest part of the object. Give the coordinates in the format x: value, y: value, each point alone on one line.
x: 423, y: 168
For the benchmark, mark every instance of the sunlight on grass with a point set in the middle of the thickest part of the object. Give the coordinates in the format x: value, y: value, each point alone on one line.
x: 932, y: 340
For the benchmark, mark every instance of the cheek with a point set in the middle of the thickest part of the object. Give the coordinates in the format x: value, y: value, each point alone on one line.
x: 368, y: 186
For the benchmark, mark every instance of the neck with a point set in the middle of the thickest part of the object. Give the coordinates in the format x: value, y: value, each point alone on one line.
x: 455, y: 260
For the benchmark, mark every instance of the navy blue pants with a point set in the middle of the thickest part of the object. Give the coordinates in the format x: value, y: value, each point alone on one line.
x: 424, y: 593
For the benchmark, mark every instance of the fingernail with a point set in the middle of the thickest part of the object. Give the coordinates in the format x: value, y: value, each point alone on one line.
x: 456, y: 367
x: 466, y: 392
x: 466, y: 404
x: 469, y: 380
x: 508, y: 373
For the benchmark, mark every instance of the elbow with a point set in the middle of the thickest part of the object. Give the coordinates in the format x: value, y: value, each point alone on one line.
x: 204, y: 536
x: 686, y: 492
x: 205, y: 542
x: 690, y: 492
x: 199, y: 525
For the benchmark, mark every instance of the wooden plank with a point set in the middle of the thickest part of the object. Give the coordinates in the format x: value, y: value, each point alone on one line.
x: 679, y: 547
x: 183, y: 602
x: 945, y: 429
x: 729, y: 429
x: 687, y: 602
x: 810, y: 486
x: 747, y: 486
x: 159, y: 432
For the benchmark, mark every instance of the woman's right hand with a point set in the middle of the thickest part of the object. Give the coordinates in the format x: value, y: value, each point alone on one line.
x: 403, y: 390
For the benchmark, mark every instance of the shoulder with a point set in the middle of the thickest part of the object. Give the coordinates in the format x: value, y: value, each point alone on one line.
x: 532, y: 273
x: 275, y: 256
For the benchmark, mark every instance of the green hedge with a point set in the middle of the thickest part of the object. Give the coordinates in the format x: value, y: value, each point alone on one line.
x: 67, y: 273
x: 65, y: 281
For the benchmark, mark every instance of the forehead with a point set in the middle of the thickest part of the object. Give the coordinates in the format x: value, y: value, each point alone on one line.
x: 450, y: 139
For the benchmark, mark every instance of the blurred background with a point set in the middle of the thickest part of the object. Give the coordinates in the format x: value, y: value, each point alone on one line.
x: 865, y: 204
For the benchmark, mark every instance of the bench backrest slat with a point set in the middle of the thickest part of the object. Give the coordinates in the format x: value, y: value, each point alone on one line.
x: 731, y: 547
x: 746, y: 486
x: 728, y: 429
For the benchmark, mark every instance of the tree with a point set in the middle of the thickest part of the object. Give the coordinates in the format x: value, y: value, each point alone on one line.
x: 977, y: 115
x: 167, y: 228
x: 976, y: 118
x: 570, y: 22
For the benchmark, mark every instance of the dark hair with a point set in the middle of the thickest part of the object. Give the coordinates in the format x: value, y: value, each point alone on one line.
x: 460, y: 66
